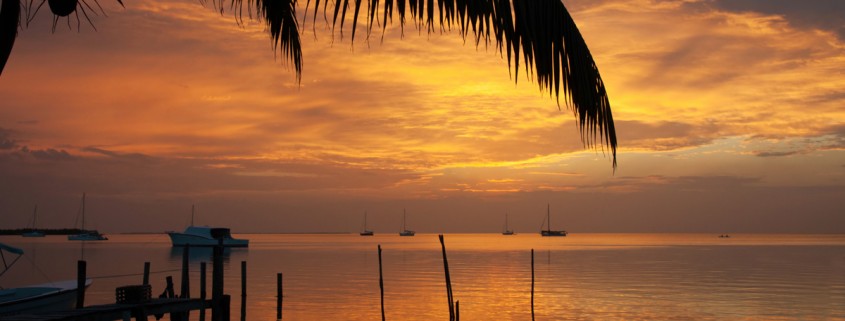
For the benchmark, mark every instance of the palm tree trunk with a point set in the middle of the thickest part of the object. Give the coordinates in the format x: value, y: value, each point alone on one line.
x: 10, y: 13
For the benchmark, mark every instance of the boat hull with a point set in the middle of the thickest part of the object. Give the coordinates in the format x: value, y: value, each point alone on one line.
x: 33, y: 234
x: 407, y: 233
x: 40, y: 298
x: 87, y: 237
x: 181, y: 240
x: 366, y: 233
x: 553, y: 233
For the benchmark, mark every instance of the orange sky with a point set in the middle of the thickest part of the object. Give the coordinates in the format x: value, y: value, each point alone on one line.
x: 730, y: 117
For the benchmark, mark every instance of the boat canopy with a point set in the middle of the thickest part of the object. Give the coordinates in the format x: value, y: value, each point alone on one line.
x: 11, y: 249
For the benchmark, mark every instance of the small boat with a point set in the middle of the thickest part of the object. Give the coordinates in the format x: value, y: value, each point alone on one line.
x: 86, y: 235
x: 507, y: 231
x: 548, y: 231
x: 405, y: 231
x: 49, y: 297
x: 34, y: 232
x: 365, y: 231
x: 205, y: 236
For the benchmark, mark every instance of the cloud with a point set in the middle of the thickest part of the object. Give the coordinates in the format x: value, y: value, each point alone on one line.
x: 6, y: 141
x: 49, y: 154
x: 826, y: 15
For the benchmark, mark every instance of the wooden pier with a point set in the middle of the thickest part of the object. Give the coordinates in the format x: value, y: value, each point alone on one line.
x: 140, y: 307
x: 127, y: 312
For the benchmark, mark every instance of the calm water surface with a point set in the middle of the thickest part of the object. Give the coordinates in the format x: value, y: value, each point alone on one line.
x: 580, y: 277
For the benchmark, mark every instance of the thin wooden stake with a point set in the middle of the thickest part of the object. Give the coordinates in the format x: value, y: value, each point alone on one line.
x: 202, y: 289
x: 146, y: 280
x: 185, y: 290
x: 532, y: 284
x: 243, y: 290
x: 381, y: 282
x: 279, y: 295
x: 448, y: 280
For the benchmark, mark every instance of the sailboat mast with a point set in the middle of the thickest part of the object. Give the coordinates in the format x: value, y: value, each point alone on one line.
x: 34, y: 216
x: 192, y: 214
x: 365, y: 220
x: 403, y: 220
x: 548, y: 218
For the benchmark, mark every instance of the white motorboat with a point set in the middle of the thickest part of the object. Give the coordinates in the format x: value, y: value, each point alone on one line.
x: 48, y: 297
x: 205, y: 236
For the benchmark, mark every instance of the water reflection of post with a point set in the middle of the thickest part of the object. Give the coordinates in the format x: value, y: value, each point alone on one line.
x: 532, y: 284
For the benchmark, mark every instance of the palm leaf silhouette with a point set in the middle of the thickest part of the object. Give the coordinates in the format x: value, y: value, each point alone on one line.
x: 538, y: 36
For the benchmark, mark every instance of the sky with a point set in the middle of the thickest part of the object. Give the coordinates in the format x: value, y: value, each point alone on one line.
x: 730, y: 117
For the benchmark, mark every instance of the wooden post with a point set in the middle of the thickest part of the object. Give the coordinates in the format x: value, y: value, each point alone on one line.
x: 185, y: 290
x: 202, y: 289
x: 81, y: 267
x: 448, y: 280
x: 225, y: 306
x: 243, y: 290
x: 381, y: 282
x: 532, y: 284
x: 146, y: 280
x: 458, y: 310
x: 217, y: 283
x: 279, y: 296
x: 168, y: 291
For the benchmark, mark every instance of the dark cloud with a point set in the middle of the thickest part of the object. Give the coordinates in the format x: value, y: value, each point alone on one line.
x: 776, y: 154
x: 50, y: 154
x: 818, y: 14
x: 667, y: 135
x: 6, y: 141
x: 132, y: 156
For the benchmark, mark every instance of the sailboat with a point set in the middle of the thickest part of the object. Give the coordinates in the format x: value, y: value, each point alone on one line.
x: 365, y: 231
x: 86, y: 235
x: 548, y: 231
x: 405, y: 231
x: 34, y: 232
x: 507, y: 231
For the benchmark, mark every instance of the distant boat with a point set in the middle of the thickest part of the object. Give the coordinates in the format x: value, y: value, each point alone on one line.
x: 507, y: 231
x: 405, y: 231
x: 55, y: 296
x: 86, y: 235
x: 34, y: 232
x: 724, y: 236
x: 548, y: 231
x: 365, y: 231
x: 205, y: 236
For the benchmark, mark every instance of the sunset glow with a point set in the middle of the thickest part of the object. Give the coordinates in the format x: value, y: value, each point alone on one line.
x: 729, y: 118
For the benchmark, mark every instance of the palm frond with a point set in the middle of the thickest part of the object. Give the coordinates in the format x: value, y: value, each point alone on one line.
x: 10, y: 15
x: 541, y: 33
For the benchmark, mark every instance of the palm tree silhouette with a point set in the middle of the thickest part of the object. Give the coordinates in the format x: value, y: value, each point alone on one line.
x: 538, y: 35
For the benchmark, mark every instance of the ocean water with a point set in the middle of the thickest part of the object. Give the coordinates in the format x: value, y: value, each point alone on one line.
x: 579, y: 277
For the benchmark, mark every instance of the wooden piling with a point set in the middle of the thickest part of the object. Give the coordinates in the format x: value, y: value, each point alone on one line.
x: 81, y: 271
x: 381, y: 282
x: 458, y: 310
x: 225, y: 306
x: 146, y: 280
x: 185, y: 289
x: 279, y: 296
x: 532, y: 284
x: 217, y: 283
x: 168, y: 291
x: 243, y: 290
x: 202, y: 289
x: 448, y: 280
